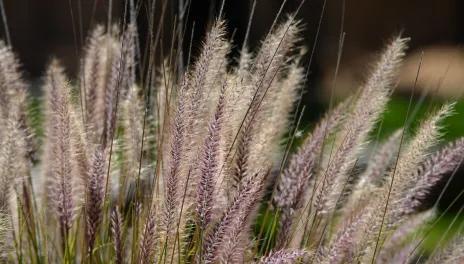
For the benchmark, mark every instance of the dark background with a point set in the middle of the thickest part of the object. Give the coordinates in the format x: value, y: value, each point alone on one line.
x: 40, y: 29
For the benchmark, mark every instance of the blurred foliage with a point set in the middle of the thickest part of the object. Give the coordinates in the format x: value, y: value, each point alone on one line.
x: 397, y: 111
x: 441, y: 231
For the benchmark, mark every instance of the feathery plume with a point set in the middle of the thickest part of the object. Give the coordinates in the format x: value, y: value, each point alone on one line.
x: 11, y: 82
x: 14, y: 171
x: 257, y: 78
x: 416, y: 151
x: 340, y: 249
x: 402, y: 254
x: 234, y: 247
x: 58, y: 131
x: 13, y: 163
x: 273, y: 53
x: 13, y: 96
x: 380, y: 161
x: 132, y: 121
x: 95, y: 196
x: 111, y: 91
x: 148, y: 239
x: 101, y: 82
x: 283, y: 257
x: 201, y: 81
x: 377, y: 168
x: 193, y: 107
x: 292, y: 185
x: 80, y: 147
x: 4, y: 230
x: 171, y: 193
x: 234, y: 217
x: 203, y: 88
x: 286, y: 93
x: 430, y: 173
x: 128, y: 58
x: 90, y: 76
x: 243, y: 151
x: 116, y: 231
x: 209, y: 164
x: 364, y: 115
x: 273, y: 58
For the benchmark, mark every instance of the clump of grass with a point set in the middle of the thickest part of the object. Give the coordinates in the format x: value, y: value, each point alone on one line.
x: 176, y: 167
